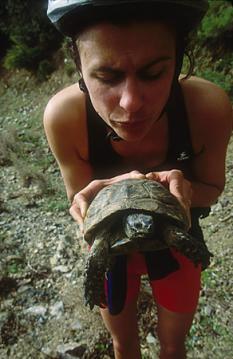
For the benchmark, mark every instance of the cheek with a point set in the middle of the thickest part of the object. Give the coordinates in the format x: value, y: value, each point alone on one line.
x: 101, y: 96
x: 103, y: 100
x: 159, y: 92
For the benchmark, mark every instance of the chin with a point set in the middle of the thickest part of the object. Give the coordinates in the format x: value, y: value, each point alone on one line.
x: 132, y: 132
x: 131, y: 136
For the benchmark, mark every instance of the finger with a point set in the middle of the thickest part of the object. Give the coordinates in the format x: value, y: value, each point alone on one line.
x: 187, y: 210
x: 137, y: 175
x: 87, y: 194
x: 175, y: 180
x: 161, y: 177
x: 76, y: 214
x: 129, y: 175
x: 153, y: 176
x: 182, y: 190
x: 82, y: 201
x: 177, y: 185
x: 172, y: 179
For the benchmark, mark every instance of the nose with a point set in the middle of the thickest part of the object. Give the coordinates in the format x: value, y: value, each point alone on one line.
x: 131, y: 99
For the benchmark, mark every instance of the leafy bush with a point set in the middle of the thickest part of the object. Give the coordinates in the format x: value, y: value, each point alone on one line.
x: 217, y: 25
x: 45, y: 68
x: 213, y: 53
x: 28, y: 35
x: 22, y: 56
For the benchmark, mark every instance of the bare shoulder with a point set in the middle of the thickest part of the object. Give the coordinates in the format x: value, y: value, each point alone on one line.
x: 65, y: 118
x: 67, y: 103
x: 208, y: 106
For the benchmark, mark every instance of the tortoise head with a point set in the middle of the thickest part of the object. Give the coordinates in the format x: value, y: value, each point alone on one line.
x: 138, y: 224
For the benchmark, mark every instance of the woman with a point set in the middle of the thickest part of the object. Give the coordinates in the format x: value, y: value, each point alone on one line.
x: 132, y: 117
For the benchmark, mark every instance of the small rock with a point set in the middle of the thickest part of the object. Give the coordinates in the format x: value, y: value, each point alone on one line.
x: 23, y: 288
x: 57, y: 309
x: 37, y: 310
x: 208, y: 310
x: 150, y: 339
x: 71, y: 350
x: 61, y: 268
x: 76, y: 325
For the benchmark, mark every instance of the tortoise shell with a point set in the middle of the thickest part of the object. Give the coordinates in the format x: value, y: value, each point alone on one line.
x: 132, y: 195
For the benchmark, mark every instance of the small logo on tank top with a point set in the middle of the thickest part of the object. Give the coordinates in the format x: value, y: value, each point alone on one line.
x: 183, y: 156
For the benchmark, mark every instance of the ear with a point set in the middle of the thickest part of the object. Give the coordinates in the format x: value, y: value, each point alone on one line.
x: 82, y: 85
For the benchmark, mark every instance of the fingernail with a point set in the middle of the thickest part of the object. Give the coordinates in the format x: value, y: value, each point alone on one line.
x: 83, y: 210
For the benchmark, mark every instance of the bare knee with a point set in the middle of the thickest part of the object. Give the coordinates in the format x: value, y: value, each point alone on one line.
x: 172, y: 331
x: 172, y: 347
x: 126, y: 348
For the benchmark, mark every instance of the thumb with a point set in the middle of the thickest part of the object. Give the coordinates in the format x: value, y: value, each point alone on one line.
x: 83, y: 205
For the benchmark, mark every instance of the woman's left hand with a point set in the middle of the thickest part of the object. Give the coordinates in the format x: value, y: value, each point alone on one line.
x: 176, y: 183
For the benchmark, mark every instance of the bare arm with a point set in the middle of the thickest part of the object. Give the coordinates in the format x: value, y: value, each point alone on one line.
x: 210, y: 113
x: 65, y: 128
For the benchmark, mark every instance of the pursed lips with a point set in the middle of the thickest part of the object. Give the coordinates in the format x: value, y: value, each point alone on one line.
x: 129, y: 122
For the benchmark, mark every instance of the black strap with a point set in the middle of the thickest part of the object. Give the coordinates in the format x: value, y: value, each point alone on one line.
x: 160, y: 263
x: 180, y: 143
x: 101, y: 154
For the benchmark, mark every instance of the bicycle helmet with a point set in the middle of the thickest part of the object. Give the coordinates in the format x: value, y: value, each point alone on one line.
x: 72, y: 16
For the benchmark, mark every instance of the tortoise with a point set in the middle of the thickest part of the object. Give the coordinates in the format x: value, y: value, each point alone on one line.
x: 134, y: 215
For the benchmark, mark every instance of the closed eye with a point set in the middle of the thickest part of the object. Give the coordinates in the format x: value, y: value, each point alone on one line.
x: 150, y: 75
x: 108, y: 76
x: 155, y: 69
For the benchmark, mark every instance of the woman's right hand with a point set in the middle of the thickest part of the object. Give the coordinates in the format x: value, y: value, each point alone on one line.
x: 83, y: 198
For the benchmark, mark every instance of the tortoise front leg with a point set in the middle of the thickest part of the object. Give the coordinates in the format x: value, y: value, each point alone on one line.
x: 187, y: 245
x: 94, y: 273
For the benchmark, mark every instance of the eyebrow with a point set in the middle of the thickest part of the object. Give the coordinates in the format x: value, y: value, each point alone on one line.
x: 113, y: 70
x: 157, y: 61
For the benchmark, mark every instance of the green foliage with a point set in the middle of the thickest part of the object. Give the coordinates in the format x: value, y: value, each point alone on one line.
x: 218, y: 20
x: 45, y: 68
x: 22, y: 56
x: 8, y: 146
x: 27, y: 36
x: 213, y: 53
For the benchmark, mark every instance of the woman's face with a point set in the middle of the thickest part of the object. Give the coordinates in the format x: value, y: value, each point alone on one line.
x: 128, y: 71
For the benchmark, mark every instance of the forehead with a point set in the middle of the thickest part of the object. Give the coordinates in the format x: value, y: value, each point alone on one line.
x: 137, y: 41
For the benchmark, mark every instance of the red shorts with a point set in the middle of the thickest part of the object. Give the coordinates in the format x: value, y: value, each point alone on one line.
x: 177, y: 292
